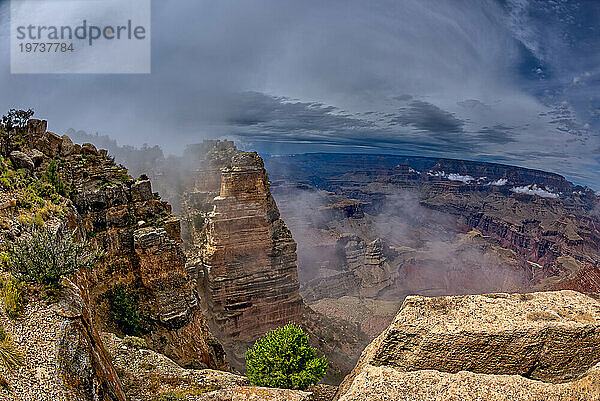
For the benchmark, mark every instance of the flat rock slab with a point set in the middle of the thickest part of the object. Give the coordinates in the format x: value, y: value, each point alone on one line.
x: 388, y: 384
x: 249, y: 393
x: 549, y: 337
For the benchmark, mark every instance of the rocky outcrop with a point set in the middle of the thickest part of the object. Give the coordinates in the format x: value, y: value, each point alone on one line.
x: 537, y: 345
x: 147, y: 375
x: 243, y: 258
x: 143, y: 249
x: 363, y: 270
x: 368, y: 263
x: 240, y: 252
x: 249, y: 255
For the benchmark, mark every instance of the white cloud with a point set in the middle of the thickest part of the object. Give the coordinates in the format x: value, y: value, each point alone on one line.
x: 533, y: 189
x: 500, y: 182
x: 466, y: 179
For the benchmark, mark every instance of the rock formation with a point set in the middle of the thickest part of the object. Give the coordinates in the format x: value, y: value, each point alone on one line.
x: 243, y: 257
x: 241, y: 252
x: 142, y: 244
x: 496, y: 346
x: 249, y: 257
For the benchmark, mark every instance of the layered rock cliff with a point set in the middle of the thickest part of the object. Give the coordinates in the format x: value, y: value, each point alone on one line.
x: 241, y: 253
x: 243, y: 257
x: 142, y: 248
x: 484, y: 347
x: 249, y: 256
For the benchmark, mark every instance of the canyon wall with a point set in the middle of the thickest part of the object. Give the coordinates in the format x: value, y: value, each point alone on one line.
x: 542, y: 225
x: 143, y: 249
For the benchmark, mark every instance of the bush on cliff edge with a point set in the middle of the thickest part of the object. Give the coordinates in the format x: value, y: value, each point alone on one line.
x: 43, y: 256
x: 284, y: 359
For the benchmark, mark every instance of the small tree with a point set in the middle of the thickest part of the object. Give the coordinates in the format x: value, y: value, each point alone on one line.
x: 16, y: 119
x: 284, y: 359
x: 124, y: 308
x: 13, y: 120
x: 44, y: 256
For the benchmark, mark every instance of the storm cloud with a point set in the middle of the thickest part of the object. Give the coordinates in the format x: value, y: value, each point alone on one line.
x: 511, y: 81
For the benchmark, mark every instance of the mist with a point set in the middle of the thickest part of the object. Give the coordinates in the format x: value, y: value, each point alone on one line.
x: 425, y: 251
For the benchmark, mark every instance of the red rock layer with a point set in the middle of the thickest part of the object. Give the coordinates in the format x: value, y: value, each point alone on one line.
x: 249, y: 256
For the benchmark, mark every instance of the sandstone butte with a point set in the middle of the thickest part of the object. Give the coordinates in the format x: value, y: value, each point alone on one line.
x: 538, y: 346
x: 242, y: 257
x: 245, y: 255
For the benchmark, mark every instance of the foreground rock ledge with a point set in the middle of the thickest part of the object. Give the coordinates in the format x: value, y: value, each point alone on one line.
x: 536, y: 341
x: 385, y: 383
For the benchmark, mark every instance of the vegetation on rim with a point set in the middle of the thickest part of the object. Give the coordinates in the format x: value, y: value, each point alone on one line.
x: 44, y: 256
x: 283, y: 358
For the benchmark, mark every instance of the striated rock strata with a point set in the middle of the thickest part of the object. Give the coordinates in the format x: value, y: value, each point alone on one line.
x: 143, y: 247
x: 243, y: 258
x: 501, y: 346
x: 249, y: 257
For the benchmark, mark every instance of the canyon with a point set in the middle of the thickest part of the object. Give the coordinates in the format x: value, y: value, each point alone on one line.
x: 336, y: 243
x: 373, y: 229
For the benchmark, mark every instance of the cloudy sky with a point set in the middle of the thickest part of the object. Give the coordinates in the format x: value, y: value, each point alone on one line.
x: 513, y: 81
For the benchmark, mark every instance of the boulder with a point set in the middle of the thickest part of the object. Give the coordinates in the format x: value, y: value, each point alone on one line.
x: 141, y: 190
x: 546, y: 338
x: 67, y: 147
x: 21, y: 160
x: 36, y: 156
x: 49, y: 143
x: 89, y: 149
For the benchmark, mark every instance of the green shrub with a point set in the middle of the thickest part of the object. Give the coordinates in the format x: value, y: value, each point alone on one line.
x: 124, y: 308
x: 284, y: 359
x: 52, y: 177
x: 44, y: 256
